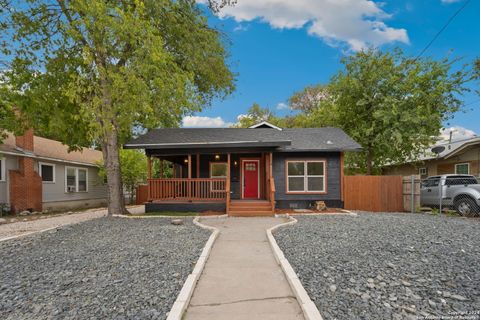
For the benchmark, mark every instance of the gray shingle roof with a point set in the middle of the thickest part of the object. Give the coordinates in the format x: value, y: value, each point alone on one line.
x: 308, y: 139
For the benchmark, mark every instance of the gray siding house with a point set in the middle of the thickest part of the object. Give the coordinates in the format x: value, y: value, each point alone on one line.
x: 245, y: 171
x: 40, y: 174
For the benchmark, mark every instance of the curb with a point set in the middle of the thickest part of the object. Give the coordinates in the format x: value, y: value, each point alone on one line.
x: 183, y: 299
x: 309, y: 309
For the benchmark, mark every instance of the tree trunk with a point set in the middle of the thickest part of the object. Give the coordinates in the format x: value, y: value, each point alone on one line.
x: 111, y: 158
x: 369, y: 161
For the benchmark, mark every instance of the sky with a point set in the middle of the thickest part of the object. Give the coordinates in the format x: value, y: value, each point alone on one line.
x: 278, y: 47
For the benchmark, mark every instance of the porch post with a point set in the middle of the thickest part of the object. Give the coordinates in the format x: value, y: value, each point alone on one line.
x: 227, y: 186
x: 198, y: 165
x: 149, y: 167
x: 189, y: 166
x: 189, y: 183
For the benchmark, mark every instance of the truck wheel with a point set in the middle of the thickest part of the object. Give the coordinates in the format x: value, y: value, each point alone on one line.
x: 466, y: 207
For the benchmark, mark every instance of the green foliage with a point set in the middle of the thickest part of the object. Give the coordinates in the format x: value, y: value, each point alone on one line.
x: 92, y: 71
x: 257, y: 114
x: 134, y: 169
x: 434, y: 211
x: 391, y: 104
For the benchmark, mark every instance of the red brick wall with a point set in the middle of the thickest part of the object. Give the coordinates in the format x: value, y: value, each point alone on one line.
x: 25, y: 183
x: 26, y: 141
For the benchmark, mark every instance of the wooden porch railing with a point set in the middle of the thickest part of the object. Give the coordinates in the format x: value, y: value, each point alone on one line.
x: 187, y: 189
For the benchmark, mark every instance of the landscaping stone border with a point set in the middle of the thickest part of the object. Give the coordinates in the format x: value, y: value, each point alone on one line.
x: 310, y: 310
x: 183, y: 299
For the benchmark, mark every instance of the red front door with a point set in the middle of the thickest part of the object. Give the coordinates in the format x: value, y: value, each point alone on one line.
x: 250, y: 179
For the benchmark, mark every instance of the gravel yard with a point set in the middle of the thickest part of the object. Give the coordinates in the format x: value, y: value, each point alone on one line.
x: 107, y: 268
x: 387, y: 266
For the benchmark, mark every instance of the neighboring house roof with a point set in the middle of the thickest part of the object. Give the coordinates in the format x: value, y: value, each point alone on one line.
x: 47, y: 149
x: 446, y: 149
x: 301, y: 139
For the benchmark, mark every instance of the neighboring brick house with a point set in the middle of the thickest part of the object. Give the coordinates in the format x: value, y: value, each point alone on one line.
x: 40, y: 174
x: 456, y: 157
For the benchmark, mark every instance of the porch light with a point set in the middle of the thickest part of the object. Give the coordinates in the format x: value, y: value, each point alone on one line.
x: 217, y: 157
x: 186, y: 160
x: 235, y: 163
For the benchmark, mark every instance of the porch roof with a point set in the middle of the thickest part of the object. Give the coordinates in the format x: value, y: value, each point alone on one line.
x: 299, y: 139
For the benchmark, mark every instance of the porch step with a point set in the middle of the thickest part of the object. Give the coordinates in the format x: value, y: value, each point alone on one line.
x: 252, y: 208
x: 251, y: 213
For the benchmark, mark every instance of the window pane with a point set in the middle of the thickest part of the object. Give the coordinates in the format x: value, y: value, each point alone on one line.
x: 461, y: 169
x: 218, y: 170
x: 315, y: 184
x: 82, y: 180
x: 295, y: 184
x: 71, y: 177
x: 315, y: 168
x: 296, y: 168
x: 47, y: 173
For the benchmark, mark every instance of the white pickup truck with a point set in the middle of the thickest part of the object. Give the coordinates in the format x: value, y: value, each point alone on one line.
x: 460, y: 192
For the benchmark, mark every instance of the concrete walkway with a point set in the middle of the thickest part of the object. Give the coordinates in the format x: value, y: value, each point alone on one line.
x: 22, y: 228
x: 241, y: 279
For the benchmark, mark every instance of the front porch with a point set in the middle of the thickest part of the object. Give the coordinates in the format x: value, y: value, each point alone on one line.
x: 239, y: 183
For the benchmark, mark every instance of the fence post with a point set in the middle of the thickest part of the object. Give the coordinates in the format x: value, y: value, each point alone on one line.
x: 412, y: 194
x: 440, y: 195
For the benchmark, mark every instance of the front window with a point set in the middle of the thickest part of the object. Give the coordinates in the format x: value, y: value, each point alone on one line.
x: 423, y: 171
x: 462, y: 168
x: 47, y: 172
x: 76, y: 180
x: 218, y: 170
x: 306, y: 176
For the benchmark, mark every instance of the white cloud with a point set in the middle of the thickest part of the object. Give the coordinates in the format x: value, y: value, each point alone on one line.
x: 450, y: 1
x: 204, y: 122
x: 357, y: 23
x: 283, y: 106
x: 241, y: 27
x: 458, y: 133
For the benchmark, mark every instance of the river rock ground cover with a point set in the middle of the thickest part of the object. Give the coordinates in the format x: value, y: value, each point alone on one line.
x: 107, y: 268
x: 387, y: 266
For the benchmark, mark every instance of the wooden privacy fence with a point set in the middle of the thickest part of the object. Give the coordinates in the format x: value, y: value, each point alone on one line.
x: 141, y: 195
x: 373, y: 193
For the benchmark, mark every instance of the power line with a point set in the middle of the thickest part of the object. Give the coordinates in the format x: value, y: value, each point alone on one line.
x: 443, y: 28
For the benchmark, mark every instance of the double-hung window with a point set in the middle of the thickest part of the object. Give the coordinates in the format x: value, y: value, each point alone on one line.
x: 306, y: 176
x: 47, y: 172
x: 3, y: 171
x: 462, y: 168
x: 76, y: 179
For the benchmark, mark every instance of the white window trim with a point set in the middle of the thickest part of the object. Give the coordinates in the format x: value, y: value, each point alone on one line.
x: 40, y: 164
x: 305, y: 177
x: 3, y: 176
x: 212, y: 185
x: 461, y: 164
x: 76, y: 179
x: 423, y: 169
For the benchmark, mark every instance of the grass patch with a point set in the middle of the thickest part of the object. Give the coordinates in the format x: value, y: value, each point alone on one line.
x: 171, y: 214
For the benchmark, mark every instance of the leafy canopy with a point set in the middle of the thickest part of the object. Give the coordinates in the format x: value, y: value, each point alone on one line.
x: 391, y: 104
x: 85, y: 68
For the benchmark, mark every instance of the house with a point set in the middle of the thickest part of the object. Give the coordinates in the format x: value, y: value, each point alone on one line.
x: 456, y: 157
x: 40, y: 174
x: 245, y: 171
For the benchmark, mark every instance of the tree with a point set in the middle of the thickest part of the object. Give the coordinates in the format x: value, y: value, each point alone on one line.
x: 309, y: 98
x: 256, y: 114
x: 391, y: 104
x: 134, y: 169
x: 94, y: 70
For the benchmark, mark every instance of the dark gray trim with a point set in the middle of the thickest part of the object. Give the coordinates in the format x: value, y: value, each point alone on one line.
x: 185, y: 207
x: 238, y: 144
